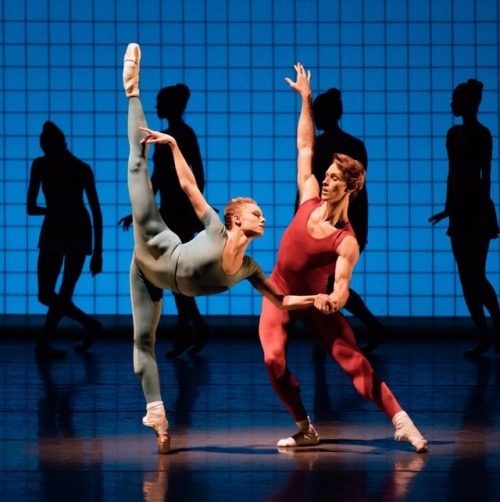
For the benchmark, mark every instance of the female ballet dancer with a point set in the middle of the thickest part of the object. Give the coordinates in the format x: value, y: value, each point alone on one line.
x: 211, y: 263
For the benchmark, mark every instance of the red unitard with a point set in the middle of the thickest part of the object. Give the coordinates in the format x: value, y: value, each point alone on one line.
x: 303, y: 267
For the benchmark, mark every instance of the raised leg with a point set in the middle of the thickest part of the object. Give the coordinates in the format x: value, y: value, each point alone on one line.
x: 147, y: 219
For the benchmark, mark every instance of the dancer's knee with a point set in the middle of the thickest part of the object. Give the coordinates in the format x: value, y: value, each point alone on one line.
x: 349, y: 358
x: 275, y: 363
x: 136, y: 163
x: 359, y: 369
x: 144, y: 341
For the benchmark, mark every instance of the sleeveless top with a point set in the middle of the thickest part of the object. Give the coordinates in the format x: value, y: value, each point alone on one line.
x: 305, y: 262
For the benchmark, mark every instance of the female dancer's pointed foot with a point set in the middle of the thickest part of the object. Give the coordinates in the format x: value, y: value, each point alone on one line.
x: 131, y: 66
x: 156, y: 418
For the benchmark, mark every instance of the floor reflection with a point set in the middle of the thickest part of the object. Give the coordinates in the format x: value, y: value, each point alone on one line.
x: 71, y: 430
x: 62, y: 451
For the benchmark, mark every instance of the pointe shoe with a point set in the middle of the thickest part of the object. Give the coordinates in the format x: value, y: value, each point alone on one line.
x: 131, y: 66
x: 159, y: 423
x: 407, y: 432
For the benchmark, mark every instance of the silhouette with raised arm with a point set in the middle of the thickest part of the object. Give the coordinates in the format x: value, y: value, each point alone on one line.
x: 472, y: 219
x: 67, y: 236
x: 175, y: 208
x: 328, y: 109
x: 211, y: 263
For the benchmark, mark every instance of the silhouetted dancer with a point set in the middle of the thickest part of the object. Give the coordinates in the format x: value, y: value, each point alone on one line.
x: 472, y: 217
x: 67, y: 236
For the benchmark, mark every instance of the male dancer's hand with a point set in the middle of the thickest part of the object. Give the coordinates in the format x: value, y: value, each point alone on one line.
x: 303, y: 82
x: 325, y: 305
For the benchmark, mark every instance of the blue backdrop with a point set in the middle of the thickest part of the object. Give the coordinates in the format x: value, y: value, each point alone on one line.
x: 395, y: 61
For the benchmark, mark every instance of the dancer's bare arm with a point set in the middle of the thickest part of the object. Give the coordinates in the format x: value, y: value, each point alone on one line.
x: 186, y: 177
x: 284, y: 302
x: 348, y: 254
x: 307, y: 183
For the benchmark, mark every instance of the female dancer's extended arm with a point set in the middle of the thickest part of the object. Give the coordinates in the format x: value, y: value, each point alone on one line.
x: 284, y: 302
x: 186, y: 177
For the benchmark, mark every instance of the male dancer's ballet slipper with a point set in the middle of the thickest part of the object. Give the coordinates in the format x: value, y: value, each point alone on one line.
x: 131, y: 68
x: 406, y: 431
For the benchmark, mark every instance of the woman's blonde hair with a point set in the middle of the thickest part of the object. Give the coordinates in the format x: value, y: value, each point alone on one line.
x: 234, y: 207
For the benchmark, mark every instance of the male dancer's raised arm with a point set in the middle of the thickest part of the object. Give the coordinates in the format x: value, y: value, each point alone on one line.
x: 307, y: 183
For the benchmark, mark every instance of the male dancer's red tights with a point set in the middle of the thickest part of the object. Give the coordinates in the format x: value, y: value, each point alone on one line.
x: 335, y: 336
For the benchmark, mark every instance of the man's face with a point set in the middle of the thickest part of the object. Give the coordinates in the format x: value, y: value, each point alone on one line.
x: 333, y: 188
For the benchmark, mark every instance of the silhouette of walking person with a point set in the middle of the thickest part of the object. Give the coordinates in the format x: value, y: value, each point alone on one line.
x: 328, y: 109
x: 175, y: 207
x: 67, y: 236
x: 472, y: 220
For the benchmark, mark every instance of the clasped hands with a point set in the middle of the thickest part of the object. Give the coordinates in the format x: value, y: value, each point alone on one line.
x: 325, y: 304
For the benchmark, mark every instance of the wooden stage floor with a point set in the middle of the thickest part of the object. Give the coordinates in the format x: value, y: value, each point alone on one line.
x: 71, y: 430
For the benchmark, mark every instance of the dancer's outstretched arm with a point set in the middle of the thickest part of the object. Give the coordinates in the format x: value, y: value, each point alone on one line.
x: 306, y: 181
x: 184, y: 173
x: 284, y: 302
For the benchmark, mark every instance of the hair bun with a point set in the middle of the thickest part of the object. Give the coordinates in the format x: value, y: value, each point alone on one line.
x: 476, y: 84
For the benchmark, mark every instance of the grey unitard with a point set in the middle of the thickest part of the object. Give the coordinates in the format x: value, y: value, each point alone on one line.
x: 193, y: 268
